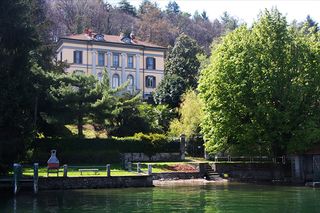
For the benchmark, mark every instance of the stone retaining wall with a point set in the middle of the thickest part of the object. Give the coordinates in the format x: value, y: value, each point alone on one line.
x: 141, y: 157
x: 176, y: 175
x: 253, y: 171
x: 94, y: 182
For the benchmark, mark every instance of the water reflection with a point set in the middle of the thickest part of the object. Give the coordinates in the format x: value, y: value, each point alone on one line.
x: 207, y: 198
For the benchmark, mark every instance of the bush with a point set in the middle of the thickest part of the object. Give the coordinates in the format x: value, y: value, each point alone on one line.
x: 81, y: 150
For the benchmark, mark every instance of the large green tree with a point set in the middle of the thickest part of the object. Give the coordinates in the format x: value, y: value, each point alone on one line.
x: 181, y: 71
x: 182, y: 60
x: 17, y: 40
x: 261, y: 91
x: 74, y: 98
x: 120, y: 112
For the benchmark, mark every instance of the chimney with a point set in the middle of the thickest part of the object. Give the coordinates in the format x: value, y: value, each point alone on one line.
x: 88, y: 32
x: 132, y: 35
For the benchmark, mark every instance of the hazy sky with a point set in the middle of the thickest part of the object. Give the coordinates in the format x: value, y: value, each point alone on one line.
x: 245, y: 11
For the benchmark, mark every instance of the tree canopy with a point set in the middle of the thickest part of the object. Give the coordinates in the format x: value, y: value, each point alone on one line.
x: 181, y: 71
x: 261, y: 91
x: 173, y: 7
x: 190, y: 116
x: 17, y: 40
x: 126, y: 7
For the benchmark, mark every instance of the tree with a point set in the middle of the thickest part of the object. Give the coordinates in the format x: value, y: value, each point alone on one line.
x: 172, y: 8
x: 125, y: 119
x: 310, y: 26
x: 181, y: 71
x: 118, y: 111
x: 182, y: 60
x: 260, y: 92
x: 229, y: 22
x: 156, y: 117
x: 204, y: 15
x: 126, y: 7
x: 153, y: 26
x: 196, y: 16
x: 74, y: 98
x: 169, y: 90
x: 191, y: 115
x: 17, y: 40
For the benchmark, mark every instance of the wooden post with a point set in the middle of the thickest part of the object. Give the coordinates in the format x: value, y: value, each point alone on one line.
x: 108, y: 170
x: 129, y: 166
x: 35, y: 178
x: 65, y: 170
x: 183, y: 146
x: 16, y: 177
x: 139, y: 167
x: 283, y: 159
x: 149, y: 169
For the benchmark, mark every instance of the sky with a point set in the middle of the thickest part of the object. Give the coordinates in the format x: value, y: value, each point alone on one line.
x: 245, y: 10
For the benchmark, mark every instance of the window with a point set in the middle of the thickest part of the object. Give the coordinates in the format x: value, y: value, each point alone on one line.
x: 115, y: 81
x: 151, y: 63
x: 150, y: 81
x: 77, y: 57
x: 130, y: 61
x: 100, y: 59
x: 115, y: 60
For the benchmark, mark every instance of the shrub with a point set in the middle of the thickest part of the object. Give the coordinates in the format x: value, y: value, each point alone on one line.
x: 81, y: 150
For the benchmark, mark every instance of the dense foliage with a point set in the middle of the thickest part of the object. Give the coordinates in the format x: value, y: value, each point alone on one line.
x: 73, y: 98
x: 261, y: 91
x: 181, y: 71
x: 74, y: 150
x: 17, y: 40
x: 149, y: 22
x: 190, y: 116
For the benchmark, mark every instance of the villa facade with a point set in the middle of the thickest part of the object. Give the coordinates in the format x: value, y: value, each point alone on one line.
x: 124, y: 57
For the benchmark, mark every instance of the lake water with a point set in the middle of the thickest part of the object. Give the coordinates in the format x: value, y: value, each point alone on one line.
x: 198, y: 198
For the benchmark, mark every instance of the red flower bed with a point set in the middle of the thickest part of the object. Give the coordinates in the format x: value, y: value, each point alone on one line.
x: 182, y: 168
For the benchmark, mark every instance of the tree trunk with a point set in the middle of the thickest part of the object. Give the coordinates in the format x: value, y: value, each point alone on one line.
x: 80, y: 126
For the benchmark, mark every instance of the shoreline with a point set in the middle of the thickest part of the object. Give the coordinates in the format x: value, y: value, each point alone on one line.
x: 188, y: 182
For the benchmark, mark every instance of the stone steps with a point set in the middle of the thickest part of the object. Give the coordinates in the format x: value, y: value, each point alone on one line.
x: 211, y: 174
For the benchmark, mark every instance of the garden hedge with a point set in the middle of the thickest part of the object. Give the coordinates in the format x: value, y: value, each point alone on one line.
x: 89, y: 151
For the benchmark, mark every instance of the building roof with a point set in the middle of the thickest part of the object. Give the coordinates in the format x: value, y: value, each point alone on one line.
x: 112, y: 39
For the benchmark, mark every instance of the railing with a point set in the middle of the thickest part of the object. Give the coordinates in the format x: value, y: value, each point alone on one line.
x: 282, y: 159
x: 33, y: 173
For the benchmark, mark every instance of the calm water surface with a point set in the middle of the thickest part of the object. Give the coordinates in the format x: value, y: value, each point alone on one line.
x: 204, y: 198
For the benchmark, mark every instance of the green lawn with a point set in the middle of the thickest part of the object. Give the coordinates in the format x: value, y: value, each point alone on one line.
x: 116, y: 170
